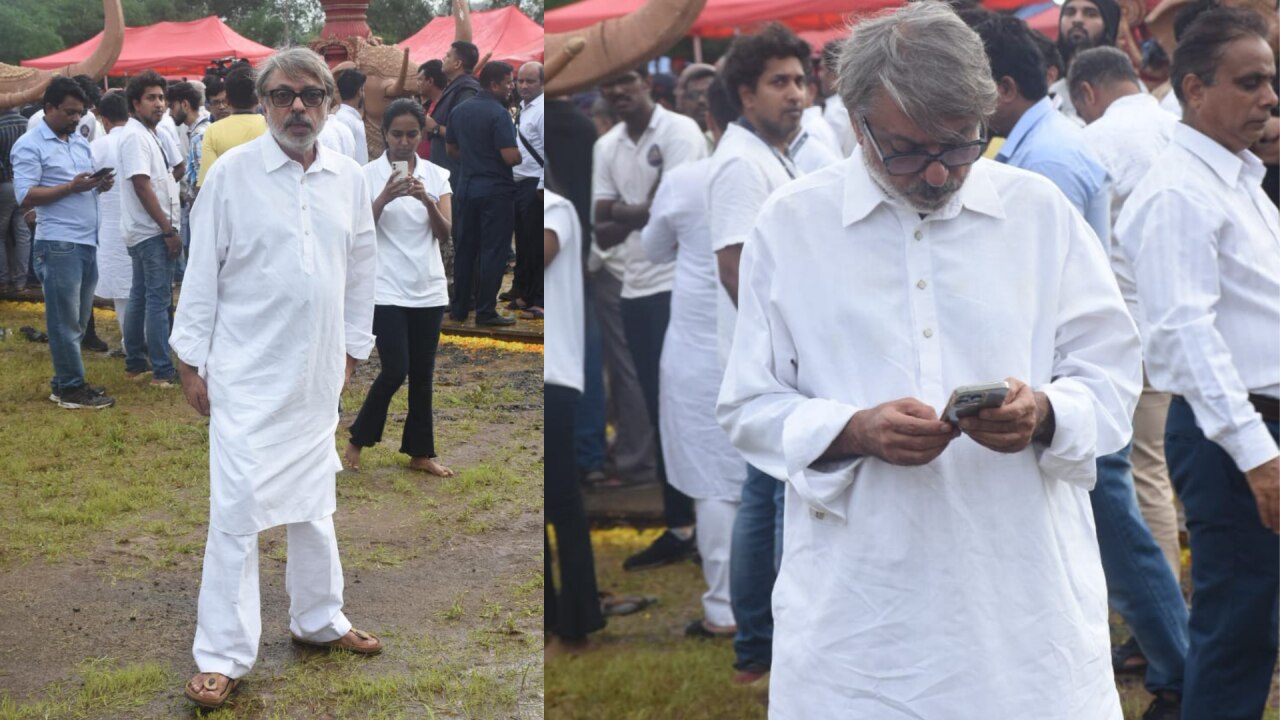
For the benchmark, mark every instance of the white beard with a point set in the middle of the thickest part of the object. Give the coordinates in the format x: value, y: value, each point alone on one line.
x: 921, y: 205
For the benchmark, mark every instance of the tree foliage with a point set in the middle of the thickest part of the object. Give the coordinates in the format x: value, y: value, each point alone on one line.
x: 32, y: 28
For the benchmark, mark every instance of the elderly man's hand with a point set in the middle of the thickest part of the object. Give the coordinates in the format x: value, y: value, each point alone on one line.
x: 194, y: 387
x: 1012, y: 426
x: 1264, y: 481
x: 900, y: 432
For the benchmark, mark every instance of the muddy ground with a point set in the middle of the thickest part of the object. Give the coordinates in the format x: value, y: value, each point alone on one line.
x: 96, y: 620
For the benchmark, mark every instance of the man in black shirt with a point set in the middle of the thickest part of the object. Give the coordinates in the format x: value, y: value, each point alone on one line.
x: 482, y: 139
x: 458, y: 64
x: 13, y: 229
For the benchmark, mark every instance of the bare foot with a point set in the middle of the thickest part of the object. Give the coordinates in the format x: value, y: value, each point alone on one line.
x: 429, y: 465
x: 351, y: 456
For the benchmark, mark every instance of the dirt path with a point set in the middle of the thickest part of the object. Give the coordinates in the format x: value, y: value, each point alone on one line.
x: 98, y: 623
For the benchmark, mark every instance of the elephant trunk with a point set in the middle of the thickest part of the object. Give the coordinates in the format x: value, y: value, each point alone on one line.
x: 617, y: 44
x: 99, y: 63
x: 399, y: 85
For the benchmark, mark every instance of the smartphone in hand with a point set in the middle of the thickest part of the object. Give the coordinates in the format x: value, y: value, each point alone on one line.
x: 104, y: 172
x: 968, y: 400
x: 400, y: 168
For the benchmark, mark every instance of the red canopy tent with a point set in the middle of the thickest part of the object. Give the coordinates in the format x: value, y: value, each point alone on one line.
x: 724, y: 18
x: 173, y: 49
x: 508, y: 33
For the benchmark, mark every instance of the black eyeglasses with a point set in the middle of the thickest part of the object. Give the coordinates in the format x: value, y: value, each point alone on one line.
x: 283, y: 97
x: 910, y: 163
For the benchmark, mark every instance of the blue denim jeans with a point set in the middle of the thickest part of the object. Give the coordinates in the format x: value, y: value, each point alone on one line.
x: 146, y: 321
x: 754, y: 558
x: 1235, y: 577
x: 1140, y: 585
x: 68, y: 272
x: 589, y: 420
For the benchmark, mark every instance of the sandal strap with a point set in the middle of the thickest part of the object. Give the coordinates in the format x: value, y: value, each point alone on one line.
x: 361, y: 634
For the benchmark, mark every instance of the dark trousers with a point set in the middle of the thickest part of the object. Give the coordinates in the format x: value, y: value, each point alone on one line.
x: 527, y: 284
x: 484, y: 226
x: 644, y: 320
x: 1235, y: 576
x: 573, y: 610
x: 406, y: 339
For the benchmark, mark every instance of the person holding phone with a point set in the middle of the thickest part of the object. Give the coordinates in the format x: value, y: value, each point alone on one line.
x: 412, y: 209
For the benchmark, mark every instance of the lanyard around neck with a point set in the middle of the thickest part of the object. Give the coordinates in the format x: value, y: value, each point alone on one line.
x: 787, y: 163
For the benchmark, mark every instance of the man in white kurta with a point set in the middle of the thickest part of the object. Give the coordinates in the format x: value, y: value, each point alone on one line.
x: 278, y: 295
x: 929, y: 573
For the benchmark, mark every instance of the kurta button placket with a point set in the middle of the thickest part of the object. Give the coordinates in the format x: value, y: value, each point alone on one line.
x: 924, y: 312
x: 928, y: 332
x: 922, y: 284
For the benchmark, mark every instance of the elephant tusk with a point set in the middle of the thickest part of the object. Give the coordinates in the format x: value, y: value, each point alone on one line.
x: 558, y: 62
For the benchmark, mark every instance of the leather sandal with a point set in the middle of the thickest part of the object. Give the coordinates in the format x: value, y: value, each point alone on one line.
x: 346, y: 644
x: 192, y: 690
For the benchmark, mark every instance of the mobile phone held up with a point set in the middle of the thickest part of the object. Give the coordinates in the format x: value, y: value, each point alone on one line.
x: 400, y: 168
x: 104, y: 172
x: 968, y: 400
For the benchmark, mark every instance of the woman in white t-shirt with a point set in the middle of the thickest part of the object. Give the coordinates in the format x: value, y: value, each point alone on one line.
x: 412, y: 211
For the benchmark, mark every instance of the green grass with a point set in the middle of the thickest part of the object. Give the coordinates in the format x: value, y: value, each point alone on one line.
x: 104, y: 688
x: 642, y: 668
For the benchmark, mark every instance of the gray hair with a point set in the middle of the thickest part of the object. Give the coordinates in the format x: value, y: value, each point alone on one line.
x: 932, y: 65
x: 1100, y: 66
x: 296, y: 63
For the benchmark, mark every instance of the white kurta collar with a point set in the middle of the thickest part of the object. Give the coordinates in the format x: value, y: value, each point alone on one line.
x: 274, y: 158
x: 1224, y: 163
x: 862, y: 194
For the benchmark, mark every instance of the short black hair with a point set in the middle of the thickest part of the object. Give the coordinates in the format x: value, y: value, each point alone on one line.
x: 92, y: 93
x: 180, y: 91
x: 1049, y: 51
x: 750, y: 53
x: 403, y: 106
x: 467, y: 53
x: 62, y: 88
x: 1206, y: 39
x: 114, y: 107
x: 1188, y: 14
x: 1103, y: 65
x: 663, y: 87
x: 722, y: 107
x: 701, y: 73
x: 241, y: 91
x: 493, y: 72
x: 138, y: 85
x: 434, y: 71
x: 349, y: 83
x: 213, y: 85
x: 1014, y: 54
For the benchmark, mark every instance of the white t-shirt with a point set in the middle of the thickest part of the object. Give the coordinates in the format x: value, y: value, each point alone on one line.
x: 627, y: 171
x: 410, y: 271
x: 562, y: 359
x: 167, y: 131
x: 337, y: 136
x: 140, y: 154
x: 531, y: 128
x: 115, y: 268
x: 350, y: 117
x: 89, y: 128
x: 837, y: 117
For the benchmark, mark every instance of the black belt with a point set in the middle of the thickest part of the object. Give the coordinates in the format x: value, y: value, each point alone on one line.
x: 1268, y: 407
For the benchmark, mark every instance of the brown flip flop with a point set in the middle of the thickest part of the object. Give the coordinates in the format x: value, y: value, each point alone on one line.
x: 345, y: 644
x: 210, y: 683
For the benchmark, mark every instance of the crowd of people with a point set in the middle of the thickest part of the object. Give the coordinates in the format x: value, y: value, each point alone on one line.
x: 299, y: 247
x: 791, y: 259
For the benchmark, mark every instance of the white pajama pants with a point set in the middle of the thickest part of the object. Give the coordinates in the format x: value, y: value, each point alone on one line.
x: 229, y: 616
x: 715, y: 536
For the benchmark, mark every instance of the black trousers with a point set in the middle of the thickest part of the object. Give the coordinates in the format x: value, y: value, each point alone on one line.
x: 407, y: 339
x: 574, y: 610
x: 527, y: 284
x: 644, y: 321
x: 484, y: 226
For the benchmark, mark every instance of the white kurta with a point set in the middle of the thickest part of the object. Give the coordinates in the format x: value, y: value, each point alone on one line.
x: 278, y: 290
x: 700, y: 461
x: 115, y: 267
x: 970, y: 587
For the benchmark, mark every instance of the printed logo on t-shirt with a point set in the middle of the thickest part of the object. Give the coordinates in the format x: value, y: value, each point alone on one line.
x: 655, y: 156
x: 84, y: 130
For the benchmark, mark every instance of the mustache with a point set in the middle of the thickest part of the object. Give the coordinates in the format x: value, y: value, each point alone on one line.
x: 299, y: 119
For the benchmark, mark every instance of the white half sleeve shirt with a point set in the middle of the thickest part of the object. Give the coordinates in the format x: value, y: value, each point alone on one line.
x: 410, y: 268
x: 562, y: 364
x: 141, y: 154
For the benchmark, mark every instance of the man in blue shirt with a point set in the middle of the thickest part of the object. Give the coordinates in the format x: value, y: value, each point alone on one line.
x: 482, y: 138
x: 1140, y: 585
x: 1038, y: 138
x: 52, y: 171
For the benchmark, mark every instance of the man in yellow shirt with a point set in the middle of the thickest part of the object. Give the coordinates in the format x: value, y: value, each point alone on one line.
x: 242, y: 125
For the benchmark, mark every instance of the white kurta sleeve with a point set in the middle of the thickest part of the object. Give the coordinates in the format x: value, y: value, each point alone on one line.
x: 778, y: 429
x: 660, y: 238
x: 362, y: 275
x: 198, y: 303
x: 1174, y: 254
x: 1097, y: 365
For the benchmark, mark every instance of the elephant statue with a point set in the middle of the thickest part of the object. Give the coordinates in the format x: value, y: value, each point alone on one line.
x: 579, y: 59
x: 20, y: 85
x: 386, y: 67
